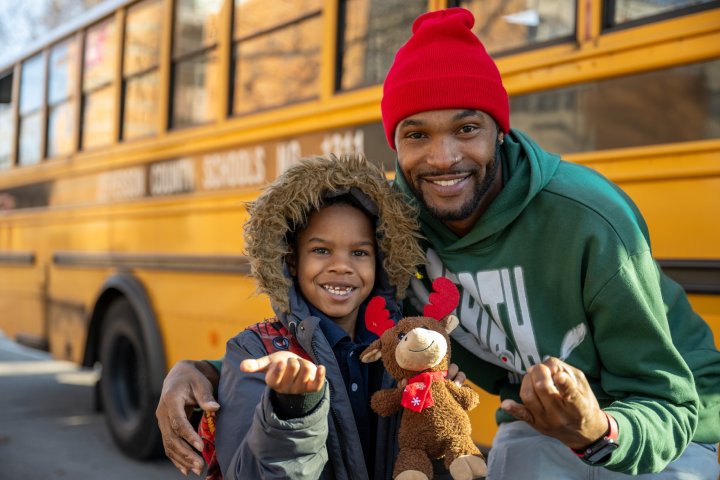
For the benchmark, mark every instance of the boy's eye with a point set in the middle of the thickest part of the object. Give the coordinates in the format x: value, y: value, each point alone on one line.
x: 320, y: 250
x: 361, y: 253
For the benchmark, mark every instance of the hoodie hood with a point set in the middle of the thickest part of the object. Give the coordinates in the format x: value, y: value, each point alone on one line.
x: 286, y: 204
x: 527, y: 169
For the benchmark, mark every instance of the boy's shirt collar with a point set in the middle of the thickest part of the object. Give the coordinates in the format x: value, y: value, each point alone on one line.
x: 335, y: 334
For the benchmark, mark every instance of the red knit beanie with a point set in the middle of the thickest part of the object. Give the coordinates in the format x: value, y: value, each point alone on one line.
x: 443, y: 66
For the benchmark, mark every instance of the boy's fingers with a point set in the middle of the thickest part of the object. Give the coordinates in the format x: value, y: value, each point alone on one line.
x: 275, y: 374
x: 254, y: 365
x: 316, y: 384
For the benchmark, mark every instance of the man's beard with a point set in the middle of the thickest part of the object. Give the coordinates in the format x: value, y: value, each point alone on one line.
x: 469, y: 207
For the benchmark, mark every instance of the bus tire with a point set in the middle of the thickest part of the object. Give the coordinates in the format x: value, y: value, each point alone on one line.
x: 125, y: 391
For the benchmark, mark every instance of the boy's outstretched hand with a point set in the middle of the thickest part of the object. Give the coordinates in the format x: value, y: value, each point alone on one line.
x: 287, y: 373
x: 558, y: 401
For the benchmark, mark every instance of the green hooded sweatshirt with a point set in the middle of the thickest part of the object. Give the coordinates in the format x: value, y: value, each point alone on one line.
x: 560, y: 265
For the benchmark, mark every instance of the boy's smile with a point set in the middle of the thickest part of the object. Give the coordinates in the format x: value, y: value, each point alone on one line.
x: 334, y: 262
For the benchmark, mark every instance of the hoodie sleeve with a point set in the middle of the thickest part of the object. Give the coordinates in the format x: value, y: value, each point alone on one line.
x: 656, y: 404
x: 252, y: 441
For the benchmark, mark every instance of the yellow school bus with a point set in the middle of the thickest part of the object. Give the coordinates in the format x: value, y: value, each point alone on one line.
x: 131, y: 138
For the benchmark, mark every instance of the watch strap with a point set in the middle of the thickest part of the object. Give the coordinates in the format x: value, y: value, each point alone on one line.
x: 599, y: 450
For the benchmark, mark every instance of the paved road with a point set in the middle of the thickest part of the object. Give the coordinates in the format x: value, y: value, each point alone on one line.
x: 49, y: 430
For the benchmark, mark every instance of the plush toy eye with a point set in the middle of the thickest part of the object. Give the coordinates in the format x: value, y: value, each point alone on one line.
x: 401, y: 335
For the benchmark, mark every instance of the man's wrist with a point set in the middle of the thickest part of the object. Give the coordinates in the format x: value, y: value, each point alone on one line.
x: 601, y: 449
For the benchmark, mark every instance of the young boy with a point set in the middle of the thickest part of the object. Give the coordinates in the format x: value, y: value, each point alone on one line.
x: 323, y: 239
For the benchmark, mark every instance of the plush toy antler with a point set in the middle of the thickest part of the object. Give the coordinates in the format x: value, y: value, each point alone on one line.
x: 377, y: 317
x: 444, y: 298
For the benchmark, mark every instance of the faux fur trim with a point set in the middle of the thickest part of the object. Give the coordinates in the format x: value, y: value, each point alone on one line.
x: 298, y: 191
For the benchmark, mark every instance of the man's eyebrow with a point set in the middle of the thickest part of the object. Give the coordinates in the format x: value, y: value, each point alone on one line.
x: 410, y: 122
x: 467, y: 113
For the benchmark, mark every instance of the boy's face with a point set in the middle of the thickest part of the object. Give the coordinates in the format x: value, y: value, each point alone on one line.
x: 448, y: 159
x: 335, y: 262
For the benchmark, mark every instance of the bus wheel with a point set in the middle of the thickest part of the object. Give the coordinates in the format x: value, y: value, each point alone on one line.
x: 125, y: 389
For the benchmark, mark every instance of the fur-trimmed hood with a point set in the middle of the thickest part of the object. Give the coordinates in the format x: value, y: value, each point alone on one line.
x: 286, y: 203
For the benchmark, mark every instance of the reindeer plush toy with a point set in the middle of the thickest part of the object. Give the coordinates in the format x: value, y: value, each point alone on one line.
x: 416, y: 352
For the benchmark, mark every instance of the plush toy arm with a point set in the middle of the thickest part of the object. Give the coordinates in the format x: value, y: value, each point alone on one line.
x: 386, y: 402
x: 465, y: 396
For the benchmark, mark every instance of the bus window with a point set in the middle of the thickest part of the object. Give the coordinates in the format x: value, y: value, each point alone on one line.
x: 98, y: 88
x: 276, y: 62
x: 511, y: 25
x: 62, y: 81
x: 195, y: 62
x: 627, y: 111
x: 143, y: 33
x: 371, y: 33
x: 623, y: 11
x: 7, y: 125
x: 32, y: 83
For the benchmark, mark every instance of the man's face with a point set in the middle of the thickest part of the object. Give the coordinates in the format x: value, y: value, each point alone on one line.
x: 448, y: 158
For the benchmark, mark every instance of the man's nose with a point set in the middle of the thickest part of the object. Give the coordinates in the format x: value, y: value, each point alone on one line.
x: 443, y: 154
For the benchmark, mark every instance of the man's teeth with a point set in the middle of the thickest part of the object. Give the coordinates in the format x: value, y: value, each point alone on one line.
x: 338, y: 290
x: 447, y: 183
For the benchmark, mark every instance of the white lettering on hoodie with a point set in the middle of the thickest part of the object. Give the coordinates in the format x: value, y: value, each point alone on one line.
x: 490, y: 301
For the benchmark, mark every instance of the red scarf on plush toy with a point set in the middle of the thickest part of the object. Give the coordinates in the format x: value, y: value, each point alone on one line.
x: 417, y: 394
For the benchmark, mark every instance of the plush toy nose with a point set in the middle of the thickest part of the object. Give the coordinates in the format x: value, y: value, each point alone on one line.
x: 420, y: 349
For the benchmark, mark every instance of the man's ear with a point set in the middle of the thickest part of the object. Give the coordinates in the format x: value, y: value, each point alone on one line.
x: 501, y: 138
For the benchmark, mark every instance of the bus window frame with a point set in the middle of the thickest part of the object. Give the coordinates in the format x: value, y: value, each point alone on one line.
x: 565, y: 39
x: 608, y: 13
x: 41, y: 110
x: 139, y: 74
x: 71, y: 98
x: 236, y: 41
x: 112, y: 83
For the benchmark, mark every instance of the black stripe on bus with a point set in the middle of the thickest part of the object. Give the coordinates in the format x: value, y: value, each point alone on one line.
x: 696, y: 276
x: 16, y: 259
x: 151, y: 261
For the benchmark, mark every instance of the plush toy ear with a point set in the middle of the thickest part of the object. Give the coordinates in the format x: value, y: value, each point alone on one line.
x: 372, y: 353
x: 450, y: 322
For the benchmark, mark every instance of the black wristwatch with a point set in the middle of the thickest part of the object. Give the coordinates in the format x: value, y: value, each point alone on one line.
x: 600, y: 451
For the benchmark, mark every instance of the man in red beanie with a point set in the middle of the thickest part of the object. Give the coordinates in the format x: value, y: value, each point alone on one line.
x: 564, y: 313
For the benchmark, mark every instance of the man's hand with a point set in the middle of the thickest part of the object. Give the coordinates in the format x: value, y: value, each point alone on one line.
x: 456, y: 375
x: 287, y: 373
x: 187, y: 385
x: 558, y: 401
